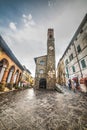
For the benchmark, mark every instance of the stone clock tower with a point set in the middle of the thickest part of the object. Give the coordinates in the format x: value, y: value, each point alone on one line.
x: 51, y: 76
x: 45, y: 76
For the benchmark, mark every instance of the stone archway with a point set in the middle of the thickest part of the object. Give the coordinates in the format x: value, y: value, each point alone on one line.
x: 16, y: 76
x: 19, y: 79
x: 42, y: 83
x: 11, y: 71
x: 3, y: 66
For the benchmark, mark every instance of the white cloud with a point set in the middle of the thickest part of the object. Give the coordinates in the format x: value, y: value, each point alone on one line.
x: 28, y: 20
x: 30, y: 17
x: 12, y: 26
x: 27, y: 43
x: 24, y: 16
x: 49, y: 4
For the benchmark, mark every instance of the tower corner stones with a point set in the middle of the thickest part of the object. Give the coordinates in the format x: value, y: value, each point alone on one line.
x: 45, y: 75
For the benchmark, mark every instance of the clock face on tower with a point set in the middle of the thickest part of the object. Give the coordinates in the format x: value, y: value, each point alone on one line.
x: 50, y: 47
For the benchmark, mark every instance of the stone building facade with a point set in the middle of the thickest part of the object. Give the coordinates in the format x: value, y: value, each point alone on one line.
x: 75, y: 56
x: 45, y: 76
x: 10, y: 67
x: 61, y: 72
x: 27, y: 79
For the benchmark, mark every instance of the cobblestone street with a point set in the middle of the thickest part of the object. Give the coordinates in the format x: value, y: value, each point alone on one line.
x: 43, y: 110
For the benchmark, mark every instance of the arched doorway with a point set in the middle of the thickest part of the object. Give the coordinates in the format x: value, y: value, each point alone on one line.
x: 42, y: 83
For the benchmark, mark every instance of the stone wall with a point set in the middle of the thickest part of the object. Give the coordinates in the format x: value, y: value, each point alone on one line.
x: 41, y: 66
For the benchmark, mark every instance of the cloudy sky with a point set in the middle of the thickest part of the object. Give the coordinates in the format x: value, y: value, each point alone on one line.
x: 24, y: 25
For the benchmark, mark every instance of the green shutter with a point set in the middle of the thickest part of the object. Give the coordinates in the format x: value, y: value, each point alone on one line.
x: 83, y: 63
x: 66, y: 61
x: 73, y: 68
x: 71, y: 57
x: 67, y: 72
x: 78, y: 48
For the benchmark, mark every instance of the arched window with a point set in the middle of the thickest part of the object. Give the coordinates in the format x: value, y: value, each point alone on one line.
x: 50, y: 36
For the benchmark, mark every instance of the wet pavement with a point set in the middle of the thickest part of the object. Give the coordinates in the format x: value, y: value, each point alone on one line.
x: 43, y: 110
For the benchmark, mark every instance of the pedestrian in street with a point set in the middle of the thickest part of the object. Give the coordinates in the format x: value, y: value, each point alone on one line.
x: 85, y: 82
x: 78, y: 85
x: 69, y: 84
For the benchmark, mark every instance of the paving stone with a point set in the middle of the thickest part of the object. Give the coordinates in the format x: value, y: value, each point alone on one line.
x: 9, y: 123
x: 43, y: 110
x: 1, y: 126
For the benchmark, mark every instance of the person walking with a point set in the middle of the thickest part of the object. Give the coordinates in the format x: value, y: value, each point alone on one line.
x: 69, y: 84
x: 85, y: 82
x: 74, y: 86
